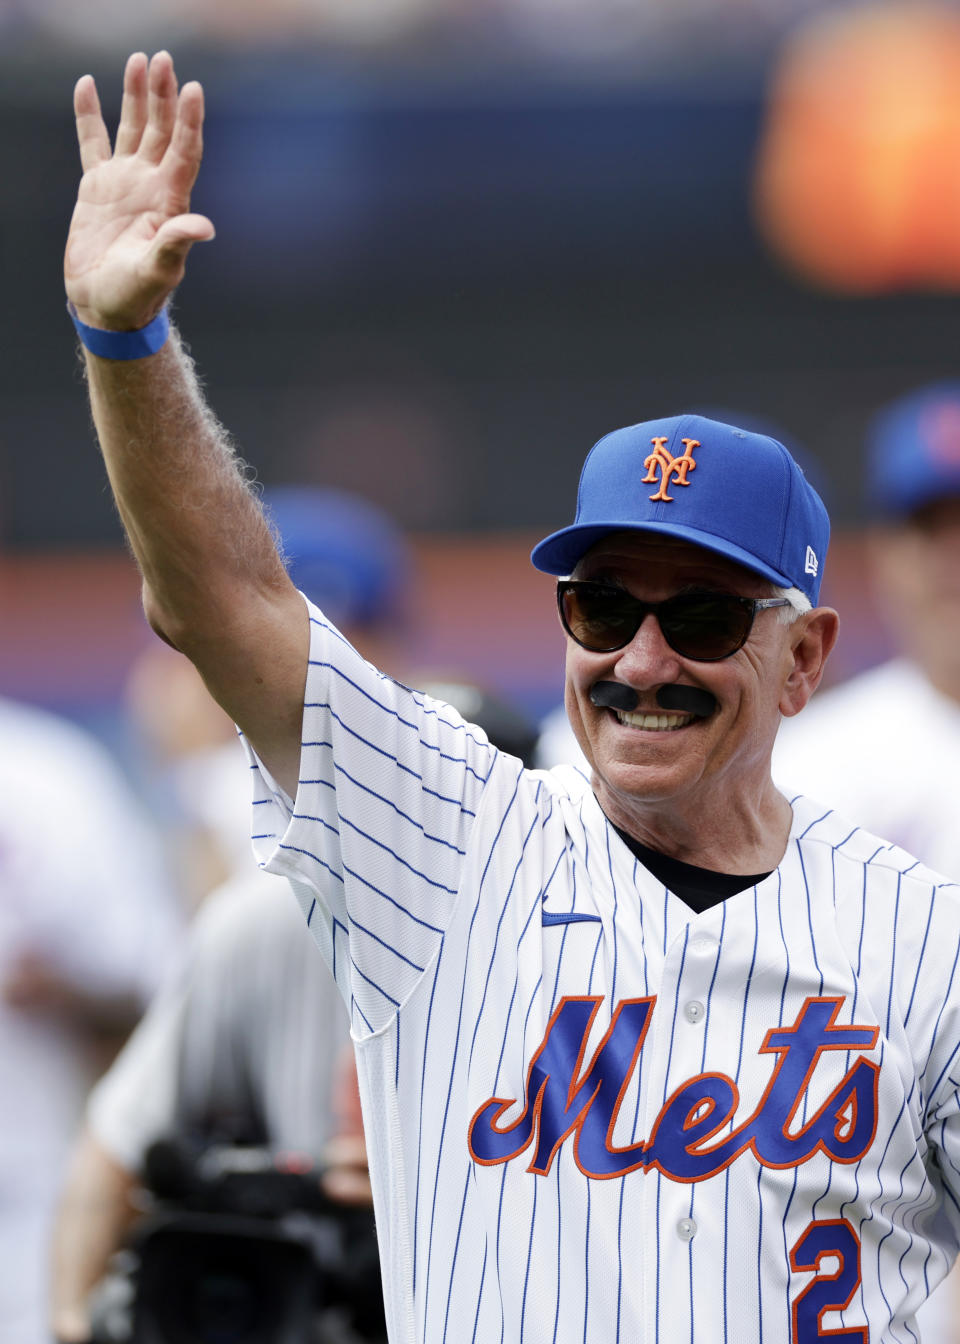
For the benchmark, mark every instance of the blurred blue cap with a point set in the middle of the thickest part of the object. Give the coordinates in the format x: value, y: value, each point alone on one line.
x: 735, y: 492
x: 345, y: 554
x: 913, y: 451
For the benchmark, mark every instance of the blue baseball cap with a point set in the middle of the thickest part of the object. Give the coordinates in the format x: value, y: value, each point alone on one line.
x: 732, y: 491
x: 343, y: 552
x: 913, y: 451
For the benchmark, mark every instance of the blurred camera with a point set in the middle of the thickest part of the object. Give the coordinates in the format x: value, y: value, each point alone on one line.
x: 241, y: 1246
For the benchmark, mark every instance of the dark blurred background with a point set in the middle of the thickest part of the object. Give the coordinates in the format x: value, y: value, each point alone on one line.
x: 457, y: 240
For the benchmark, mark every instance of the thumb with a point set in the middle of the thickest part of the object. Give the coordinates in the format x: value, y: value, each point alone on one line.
x: 176, y: 236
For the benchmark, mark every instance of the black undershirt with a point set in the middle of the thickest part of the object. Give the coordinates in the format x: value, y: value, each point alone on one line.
x: 700, y: 888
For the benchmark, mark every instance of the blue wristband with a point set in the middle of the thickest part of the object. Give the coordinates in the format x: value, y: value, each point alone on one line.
x: 123, y: 344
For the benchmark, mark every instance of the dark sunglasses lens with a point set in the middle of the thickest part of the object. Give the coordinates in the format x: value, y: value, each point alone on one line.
x: 706, y: 628
x: 599, y: 619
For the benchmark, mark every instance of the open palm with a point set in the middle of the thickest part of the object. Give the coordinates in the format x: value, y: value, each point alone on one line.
x: 131, y: 228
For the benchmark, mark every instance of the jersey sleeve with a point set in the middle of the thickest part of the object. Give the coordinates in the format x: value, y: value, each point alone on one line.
x: 389, y: 788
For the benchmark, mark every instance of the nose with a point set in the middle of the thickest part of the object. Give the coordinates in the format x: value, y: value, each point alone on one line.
x: 648, y: 659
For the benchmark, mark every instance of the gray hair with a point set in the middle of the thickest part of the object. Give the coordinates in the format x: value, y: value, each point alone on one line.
x: 799, y: 603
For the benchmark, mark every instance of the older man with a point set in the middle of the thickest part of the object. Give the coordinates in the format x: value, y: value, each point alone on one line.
x: 657, y: 1057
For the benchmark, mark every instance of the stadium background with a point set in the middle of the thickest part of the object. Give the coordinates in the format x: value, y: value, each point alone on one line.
x: 457, y: 241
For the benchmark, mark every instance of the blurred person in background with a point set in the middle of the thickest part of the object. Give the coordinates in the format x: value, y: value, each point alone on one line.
x: 88, y: 925
x: 240, y: 1044
x: 238, y: 1048
x: 882, y: 747
x: 338, y: 546
x: 248, y: 1043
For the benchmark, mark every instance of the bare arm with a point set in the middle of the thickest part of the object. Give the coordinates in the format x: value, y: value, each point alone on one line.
x: 214, y: 586
x: 93, y: 1217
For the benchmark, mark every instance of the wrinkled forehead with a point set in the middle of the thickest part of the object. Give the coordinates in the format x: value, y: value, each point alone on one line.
x: 635, y: 555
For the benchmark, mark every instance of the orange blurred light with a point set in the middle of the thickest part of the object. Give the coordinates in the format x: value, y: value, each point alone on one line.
x: 858, y: 175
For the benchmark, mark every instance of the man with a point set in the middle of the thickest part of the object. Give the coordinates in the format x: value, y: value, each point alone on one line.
x: 246, y: 1035
x: 239, y: 1047
x: 245, y: 1043
x: 640, y: 1057
x: 88, y: 923
x: 883, y: 746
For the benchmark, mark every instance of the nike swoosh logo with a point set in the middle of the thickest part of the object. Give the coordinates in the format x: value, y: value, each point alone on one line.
x: 548, y: 917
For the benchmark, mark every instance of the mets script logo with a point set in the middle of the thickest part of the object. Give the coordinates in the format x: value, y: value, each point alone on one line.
x: 671, y: 469
x: 563, y: 1098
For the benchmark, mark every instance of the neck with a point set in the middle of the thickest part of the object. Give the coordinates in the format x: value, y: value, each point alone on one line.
x: 738, y: 836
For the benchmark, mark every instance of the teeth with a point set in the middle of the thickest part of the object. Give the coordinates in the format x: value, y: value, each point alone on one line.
x: 658, y: 722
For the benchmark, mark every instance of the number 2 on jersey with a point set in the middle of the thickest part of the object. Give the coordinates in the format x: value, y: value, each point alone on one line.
x: 829, y: 1290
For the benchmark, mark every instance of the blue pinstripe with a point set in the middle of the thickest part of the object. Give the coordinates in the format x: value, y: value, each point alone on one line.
x: 446, y: 1109
x: 388, y: 802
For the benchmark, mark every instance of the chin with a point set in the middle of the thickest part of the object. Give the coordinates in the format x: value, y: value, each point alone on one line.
x: 641, y: 783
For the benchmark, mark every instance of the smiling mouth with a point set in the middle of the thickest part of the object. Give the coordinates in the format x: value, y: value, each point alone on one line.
x: 655, y: 722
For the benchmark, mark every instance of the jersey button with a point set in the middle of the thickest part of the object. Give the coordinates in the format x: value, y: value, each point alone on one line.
x: 702, y: 945
x: 686, y: 1229
x: 694, y: 1011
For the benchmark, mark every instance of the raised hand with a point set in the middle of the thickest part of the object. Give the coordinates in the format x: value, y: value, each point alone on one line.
x: 132, y: 227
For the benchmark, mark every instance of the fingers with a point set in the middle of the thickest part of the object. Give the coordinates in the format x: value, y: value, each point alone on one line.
x: 182, y: 158
x: 133, y: 109
x: 92, y: 134
x: 161, y: 113
x: 154, y: 121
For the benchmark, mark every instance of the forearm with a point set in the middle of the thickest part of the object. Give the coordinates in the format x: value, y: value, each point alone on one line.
x: 193, y: 522
x: 214, y: 584
x: 93, y: 1217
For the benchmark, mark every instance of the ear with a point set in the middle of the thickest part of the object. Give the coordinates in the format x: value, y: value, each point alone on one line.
x: 813, y: 636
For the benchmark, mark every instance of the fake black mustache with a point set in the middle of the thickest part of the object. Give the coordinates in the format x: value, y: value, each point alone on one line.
x: 686, y: 699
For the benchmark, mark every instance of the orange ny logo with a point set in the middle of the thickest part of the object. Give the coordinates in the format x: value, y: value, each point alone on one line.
x: 670, y: 468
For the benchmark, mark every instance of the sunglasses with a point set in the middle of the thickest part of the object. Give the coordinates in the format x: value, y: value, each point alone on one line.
x: 705, y: 627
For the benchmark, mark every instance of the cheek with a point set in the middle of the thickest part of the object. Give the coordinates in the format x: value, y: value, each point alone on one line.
x: 580, y: 671
x: 580, y: 676
x: 756, y: 695
x: 577, y: 683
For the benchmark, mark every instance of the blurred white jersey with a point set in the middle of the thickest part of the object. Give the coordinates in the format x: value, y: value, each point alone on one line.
x: 82, y: 888
x: 240, y: 1044
x: 883, y: 748
x: 594, y: 1114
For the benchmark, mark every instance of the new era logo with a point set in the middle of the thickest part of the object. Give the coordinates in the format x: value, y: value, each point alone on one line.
x: 812, y: 563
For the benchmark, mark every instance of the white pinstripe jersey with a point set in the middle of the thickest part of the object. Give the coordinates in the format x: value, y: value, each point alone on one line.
x: 594, y: 1114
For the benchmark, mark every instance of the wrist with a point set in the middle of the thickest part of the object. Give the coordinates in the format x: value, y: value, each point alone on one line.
x: 122, y: 345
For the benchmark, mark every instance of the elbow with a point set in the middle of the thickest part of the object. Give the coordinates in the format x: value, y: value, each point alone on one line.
x: 159, y: 619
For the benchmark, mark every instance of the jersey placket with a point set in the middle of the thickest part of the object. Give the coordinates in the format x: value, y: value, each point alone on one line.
x: 682, y: 1018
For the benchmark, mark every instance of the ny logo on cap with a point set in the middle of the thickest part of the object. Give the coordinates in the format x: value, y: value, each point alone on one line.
x: 671, y: 468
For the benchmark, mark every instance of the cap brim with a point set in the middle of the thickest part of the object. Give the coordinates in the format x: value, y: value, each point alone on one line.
x: 561, y: 552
